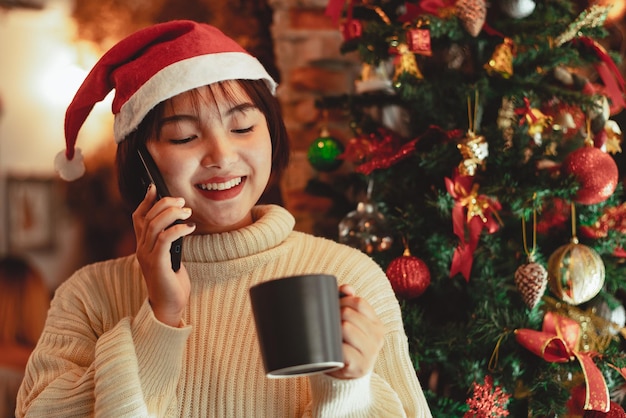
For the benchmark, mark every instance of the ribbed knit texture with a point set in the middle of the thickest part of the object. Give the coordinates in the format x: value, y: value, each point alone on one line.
x: 104, y: 354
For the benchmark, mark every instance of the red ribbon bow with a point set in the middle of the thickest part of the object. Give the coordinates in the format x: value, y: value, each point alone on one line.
x: 528, y: 113
x: 474, y: 211
x: 557, y: 342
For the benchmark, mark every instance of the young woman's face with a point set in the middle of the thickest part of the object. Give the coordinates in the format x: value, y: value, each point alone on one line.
x: 215, y: 151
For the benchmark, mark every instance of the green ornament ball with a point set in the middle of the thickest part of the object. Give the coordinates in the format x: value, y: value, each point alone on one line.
x: 323, y: 153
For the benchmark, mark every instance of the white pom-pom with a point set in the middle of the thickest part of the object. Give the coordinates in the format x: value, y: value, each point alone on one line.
x: 70, y: 170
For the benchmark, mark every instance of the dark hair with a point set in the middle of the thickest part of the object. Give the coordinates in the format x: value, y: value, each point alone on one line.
x: 129, y: 169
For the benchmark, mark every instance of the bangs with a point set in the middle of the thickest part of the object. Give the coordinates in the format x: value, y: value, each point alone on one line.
x: 230, y: 91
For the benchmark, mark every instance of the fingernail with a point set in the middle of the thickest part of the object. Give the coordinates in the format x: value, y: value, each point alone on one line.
x: 191, y: 224
x: 150, y: 186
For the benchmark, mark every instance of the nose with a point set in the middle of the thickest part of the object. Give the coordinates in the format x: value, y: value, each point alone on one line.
x: 220, y: 152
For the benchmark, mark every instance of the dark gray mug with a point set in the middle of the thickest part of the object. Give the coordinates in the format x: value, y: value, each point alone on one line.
x: 298, y: 324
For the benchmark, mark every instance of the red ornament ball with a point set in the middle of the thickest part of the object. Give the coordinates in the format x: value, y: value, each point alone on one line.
x: 409, y: 276
x: 595, y: 171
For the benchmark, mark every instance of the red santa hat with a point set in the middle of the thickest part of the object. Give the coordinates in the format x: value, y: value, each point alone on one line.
x: 148, y: 67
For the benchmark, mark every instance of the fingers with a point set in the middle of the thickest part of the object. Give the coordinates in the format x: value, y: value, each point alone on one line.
x: 155, y: 231
x: 148, y: 201
x: 153, y: 220
x: 142, y: 209
x: 346, y: 290
x: 159, y: 222
x: 358, y: 304
x: 363, y: 335
x: 362, y: 330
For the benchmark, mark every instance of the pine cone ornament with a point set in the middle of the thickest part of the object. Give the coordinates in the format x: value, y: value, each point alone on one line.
x: 473, y: 14
x: 531, y: 280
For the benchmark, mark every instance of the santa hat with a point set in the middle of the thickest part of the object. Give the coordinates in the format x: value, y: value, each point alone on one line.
x: 148, y: 67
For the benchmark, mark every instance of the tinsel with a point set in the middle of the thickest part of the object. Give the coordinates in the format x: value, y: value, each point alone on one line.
x: 594, y: 16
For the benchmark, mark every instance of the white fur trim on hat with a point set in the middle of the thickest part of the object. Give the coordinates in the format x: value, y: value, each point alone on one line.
x: 183, y: 76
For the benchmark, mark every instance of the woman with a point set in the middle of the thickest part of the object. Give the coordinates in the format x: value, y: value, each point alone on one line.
x: 135, y: 337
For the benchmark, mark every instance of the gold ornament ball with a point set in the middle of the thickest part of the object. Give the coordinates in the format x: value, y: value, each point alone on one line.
x: 575, y: 273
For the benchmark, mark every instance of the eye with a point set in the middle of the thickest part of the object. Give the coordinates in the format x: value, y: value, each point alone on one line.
x: 183, y: 141
x: 243, y: 131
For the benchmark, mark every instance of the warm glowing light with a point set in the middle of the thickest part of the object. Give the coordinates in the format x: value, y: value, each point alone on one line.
x: 38, y: 82
x: 54, y: 85
x: 59, y: 83
x: 66, y: 67
x: 617, y: 10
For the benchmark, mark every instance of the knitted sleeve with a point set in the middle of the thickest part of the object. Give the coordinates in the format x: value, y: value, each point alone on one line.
x: 392, y: 390
x: 102, y: 351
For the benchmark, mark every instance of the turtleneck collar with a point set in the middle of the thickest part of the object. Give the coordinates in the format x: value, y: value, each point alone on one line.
x: 272, y: 224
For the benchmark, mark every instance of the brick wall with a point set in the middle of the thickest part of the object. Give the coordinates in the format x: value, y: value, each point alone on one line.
x: 307, y: 52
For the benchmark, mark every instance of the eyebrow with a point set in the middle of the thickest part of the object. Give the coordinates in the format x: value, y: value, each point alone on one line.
x: 242, y: 107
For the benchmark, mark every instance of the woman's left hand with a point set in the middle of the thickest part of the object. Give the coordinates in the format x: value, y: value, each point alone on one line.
x: 363, y: 335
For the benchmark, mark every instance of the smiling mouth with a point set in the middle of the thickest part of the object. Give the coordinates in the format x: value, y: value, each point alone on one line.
x: 221, y: 186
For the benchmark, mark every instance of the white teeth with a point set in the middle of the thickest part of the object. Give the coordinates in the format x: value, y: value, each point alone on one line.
x: 221, y: 186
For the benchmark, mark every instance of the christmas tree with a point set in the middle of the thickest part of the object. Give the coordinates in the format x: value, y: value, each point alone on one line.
x: 484, y: 141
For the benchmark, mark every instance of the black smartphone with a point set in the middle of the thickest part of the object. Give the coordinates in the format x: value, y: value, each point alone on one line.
x: 154, y: 176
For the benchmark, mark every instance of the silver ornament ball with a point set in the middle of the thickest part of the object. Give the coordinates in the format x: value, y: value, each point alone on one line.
x: 517, y: 9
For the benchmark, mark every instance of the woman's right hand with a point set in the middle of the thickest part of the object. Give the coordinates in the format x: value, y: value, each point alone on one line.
x: 168, y: 291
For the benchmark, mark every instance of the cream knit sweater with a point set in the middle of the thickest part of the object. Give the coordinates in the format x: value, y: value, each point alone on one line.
x: 104, y: 354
